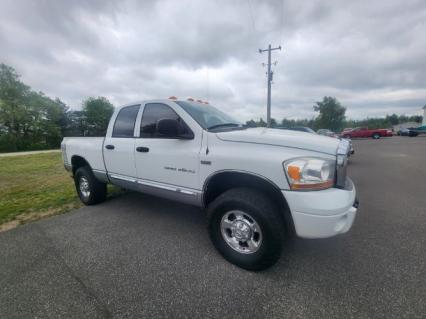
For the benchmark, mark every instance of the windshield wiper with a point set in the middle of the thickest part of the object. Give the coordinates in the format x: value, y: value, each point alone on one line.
x: 223, y: 125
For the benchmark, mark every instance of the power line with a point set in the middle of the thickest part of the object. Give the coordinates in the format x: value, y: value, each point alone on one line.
x: 269, y: 81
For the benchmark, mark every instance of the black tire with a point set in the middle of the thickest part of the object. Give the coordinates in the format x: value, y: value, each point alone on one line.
x: 258, y: 207
x: 376, y: 136
x: 347, y: 136
x: 97, y: 190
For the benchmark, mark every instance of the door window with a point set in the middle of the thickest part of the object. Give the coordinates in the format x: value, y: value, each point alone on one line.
x: 154, y: 112
x: 124, y: 125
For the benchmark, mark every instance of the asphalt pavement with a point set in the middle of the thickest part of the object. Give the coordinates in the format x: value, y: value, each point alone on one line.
x: 136, y: 256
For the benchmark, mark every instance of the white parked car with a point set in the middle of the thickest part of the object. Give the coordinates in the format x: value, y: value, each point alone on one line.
x: 258, y: 185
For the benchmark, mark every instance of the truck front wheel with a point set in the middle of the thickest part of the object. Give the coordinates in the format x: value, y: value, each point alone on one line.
x: 246, y: 228
x: 89, y: 189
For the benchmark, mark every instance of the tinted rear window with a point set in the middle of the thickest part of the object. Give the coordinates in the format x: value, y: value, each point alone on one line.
x: 124, y: 125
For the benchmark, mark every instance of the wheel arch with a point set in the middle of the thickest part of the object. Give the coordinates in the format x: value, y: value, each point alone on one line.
x: 78, y: 161
x: 221, y: 181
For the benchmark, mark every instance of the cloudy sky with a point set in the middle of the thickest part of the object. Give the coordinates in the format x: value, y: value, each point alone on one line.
x: 371, y: 55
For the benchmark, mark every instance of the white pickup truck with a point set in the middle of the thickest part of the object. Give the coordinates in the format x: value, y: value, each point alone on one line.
x: 258, y: 185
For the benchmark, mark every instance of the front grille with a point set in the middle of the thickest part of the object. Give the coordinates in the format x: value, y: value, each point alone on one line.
x: 341, y: 173
x: 341, y: 163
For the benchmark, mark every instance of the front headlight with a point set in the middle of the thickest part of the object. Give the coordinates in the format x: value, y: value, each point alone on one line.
x: 309, y: 173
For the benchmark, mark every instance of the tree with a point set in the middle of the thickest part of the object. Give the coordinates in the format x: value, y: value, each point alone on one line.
x: 331, y: 114
x: 416, y: 118
x: 250, y: 123
x: 28, y: 120
x: 75, y: 124
x: 392, y: 119
x: 299, y: 122
x: 13, y: 94
x: 96, y: 112
x: 261, y: 123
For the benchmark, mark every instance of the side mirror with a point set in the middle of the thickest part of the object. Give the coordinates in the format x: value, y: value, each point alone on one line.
x: 170, y: 128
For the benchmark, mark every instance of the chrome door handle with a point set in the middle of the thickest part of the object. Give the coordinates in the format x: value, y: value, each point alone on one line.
x: 142, y: 149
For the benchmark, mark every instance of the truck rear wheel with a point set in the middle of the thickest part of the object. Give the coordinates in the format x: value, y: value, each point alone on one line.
x: 376, y: 136
x: 90, y: 190
x: 246, y: 228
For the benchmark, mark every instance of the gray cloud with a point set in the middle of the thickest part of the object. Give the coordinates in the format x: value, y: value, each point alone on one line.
x: 370, y: 55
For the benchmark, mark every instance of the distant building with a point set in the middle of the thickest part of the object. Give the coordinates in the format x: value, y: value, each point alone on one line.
x: 400, y: 126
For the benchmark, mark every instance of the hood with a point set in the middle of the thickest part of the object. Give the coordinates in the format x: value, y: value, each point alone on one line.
x: 284, y: 138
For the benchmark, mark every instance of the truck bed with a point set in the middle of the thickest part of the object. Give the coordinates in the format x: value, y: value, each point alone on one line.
x: 89, y: 148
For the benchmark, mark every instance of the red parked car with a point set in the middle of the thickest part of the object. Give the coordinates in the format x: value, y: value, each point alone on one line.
x: 365, y: 132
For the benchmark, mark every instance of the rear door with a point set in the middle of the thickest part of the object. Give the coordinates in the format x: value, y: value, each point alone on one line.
x: 119, y: 145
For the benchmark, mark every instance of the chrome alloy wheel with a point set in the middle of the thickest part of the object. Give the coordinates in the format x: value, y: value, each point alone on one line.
x: 84, y: 186
x: 241, y: 232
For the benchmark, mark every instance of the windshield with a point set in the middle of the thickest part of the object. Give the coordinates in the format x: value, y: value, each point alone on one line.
x: 208, y: 116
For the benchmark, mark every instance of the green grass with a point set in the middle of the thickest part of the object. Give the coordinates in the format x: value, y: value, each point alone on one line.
x: 35, y: 186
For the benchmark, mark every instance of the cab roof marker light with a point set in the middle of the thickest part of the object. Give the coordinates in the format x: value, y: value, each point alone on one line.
x: 172, y: 97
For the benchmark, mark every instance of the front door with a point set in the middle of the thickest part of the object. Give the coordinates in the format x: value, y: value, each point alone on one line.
x: 166, y: 163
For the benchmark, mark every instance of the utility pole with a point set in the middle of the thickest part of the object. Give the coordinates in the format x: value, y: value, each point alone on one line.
x: 269, y: 81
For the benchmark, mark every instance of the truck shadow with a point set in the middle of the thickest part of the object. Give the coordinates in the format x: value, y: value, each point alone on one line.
x: 186, y: 224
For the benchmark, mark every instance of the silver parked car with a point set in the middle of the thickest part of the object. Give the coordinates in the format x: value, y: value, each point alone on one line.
x: 327, y: 132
